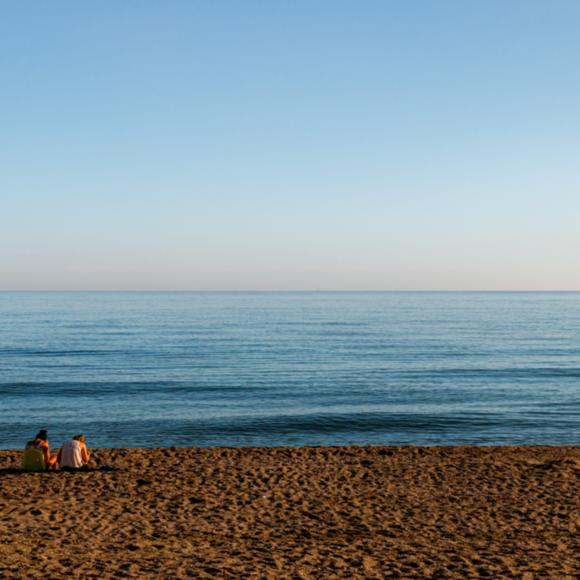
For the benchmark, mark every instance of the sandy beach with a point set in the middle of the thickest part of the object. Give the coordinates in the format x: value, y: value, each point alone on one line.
x: 373, y: 512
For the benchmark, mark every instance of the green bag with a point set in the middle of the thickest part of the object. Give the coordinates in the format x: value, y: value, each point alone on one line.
x: 33, y: 460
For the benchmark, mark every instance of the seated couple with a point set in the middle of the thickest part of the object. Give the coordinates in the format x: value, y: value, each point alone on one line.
x: 72, y: 455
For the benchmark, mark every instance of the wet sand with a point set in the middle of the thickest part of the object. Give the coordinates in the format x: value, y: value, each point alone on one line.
x: 372, y: 512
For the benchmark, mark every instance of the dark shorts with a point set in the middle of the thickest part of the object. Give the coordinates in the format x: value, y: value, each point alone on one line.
x: 83, y: 468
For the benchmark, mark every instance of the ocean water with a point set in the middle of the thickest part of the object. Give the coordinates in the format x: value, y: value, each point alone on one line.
x: 146, y: 369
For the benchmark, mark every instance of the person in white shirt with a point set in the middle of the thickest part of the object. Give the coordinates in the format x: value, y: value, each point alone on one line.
x: 74, y: 453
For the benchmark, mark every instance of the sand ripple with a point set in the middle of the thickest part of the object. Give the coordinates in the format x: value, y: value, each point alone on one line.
x: 373, y: 512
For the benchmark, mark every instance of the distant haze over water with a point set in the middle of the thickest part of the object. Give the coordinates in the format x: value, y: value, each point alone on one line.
x: 290, y: 368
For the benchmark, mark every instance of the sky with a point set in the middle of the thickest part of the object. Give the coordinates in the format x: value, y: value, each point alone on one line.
x: 290, y: 145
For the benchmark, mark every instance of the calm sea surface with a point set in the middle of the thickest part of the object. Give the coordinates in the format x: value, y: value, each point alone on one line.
x: 162, y: 369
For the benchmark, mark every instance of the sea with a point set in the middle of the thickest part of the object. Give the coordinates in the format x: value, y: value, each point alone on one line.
x: 160, y: 369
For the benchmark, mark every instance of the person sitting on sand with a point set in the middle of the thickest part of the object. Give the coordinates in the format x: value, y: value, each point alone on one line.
x: 37, y: 456
x: 74, y: 453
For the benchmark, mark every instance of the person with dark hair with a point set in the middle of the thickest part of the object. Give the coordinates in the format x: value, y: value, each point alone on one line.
x: 42, y: 459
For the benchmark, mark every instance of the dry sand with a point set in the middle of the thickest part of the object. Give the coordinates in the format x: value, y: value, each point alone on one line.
x: 373, y: 512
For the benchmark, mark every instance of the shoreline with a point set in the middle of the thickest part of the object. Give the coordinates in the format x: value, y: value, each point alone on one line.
x: 307, y: 512
x: 403, y: 446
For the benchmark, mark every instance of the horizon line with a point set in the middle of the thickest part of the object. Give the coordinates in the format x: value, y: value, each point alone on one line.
x: 286, y: 291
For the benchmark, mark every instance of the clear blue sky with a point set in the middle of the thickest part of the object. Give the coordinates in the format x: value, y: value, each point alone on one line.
x: 290, y: 144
